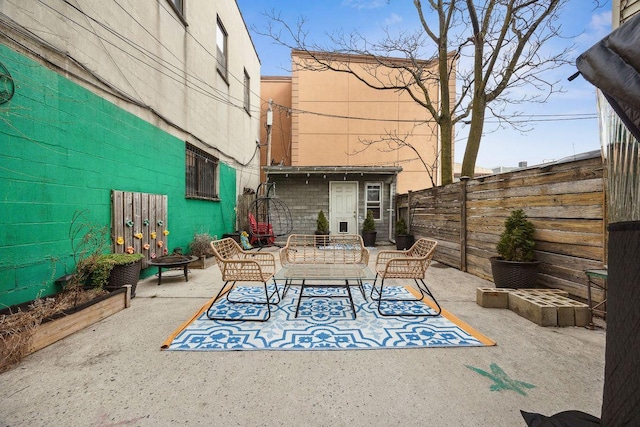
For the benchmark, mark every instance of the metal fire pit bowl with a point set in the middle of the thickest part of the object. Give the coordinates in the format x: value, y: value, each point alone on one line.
x: 172, y: 261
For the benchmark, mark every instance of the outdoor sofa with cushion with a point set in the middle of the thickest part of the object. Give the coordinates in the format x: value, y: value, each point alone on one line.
x: 324, y: 249
x: 339, y: 250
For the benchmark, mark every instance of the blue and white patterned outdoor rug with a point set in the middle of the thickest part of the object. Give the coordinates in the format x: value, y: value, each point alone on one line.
x: 322, y: 324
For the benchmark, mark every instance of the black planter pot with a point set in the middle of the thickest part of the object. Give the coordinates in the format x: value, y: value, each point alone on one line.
x: 404, y: 241
x: 127, y: 274
x: 322, y: 239
x: 514, y: 274
x: 369, y: 238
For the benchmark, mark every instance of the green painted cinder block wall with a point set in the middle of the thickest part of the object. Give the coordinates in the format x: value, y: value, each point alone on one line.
x: 63, y: 149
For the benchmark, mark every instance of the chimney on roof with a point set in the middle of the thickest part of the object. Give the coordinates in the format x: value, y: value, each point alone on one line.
x: 522, y: 164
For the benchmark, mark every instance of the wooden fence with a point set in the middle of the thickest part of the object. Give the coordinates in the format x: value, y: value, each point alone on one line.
x: 243, y: 205
x: 565, y: 202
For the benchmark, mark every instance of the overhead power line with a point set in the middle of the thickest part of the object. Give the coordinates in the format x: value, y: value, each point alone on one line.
x: 512, y: 119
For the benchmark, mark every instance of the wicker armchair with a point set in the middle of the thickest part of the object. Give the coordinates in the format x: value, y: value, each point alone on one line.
x: 237, y: 265
x: 407, y: 264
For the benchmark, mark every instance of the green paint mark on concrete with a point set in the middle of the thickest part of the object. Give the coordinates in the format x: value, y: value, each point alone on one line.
x: 501, y: 380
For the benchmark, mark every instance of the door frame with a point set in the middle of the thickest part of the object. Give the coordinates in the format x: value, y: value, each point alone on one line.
x: 356, y: 186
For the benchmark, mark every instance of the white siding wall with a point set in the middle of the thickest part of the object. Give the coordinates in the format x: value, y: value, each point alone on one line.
x: 144, y: 52
x: 623, y: 10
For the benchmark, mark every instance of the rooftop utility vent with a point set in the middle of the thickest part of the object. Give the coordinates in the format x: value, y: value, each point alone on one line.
x: 522, y: 164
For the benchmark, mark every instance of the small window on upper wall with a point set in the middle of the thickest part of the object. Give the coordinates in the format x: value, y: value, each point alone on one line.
x: 374, y: 199
x: 247, y: 92
x: 201, y: 174
x: 178, y: 6
x: 221, y: 49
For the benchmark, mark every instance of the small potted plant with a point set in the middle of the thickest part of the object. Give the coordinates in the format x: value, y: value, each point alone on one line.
x: 404, y: 240
x: 322, y: 229
x: 369, y: 230
x: 516, y: 267
x: 200, y: 246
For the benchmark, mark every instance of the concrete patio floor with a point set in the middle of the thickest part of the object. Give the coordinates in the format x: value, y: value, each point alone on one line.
x: 114, y: 373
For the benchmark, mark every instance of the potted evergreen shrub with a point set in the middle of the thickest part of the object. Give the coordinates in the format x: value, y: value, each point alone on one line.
x: 516, y: 267
x: 322, y: 229
x: 369, y: 230
x: 404, y: 240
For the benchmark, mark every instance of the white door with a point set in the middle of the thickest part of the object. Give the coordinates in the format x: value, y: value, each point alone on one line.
x: 343, y: 207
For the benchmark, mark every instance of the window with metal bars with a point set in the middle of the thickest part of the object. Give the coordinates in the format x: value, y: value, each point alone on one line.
x: 201, y: 174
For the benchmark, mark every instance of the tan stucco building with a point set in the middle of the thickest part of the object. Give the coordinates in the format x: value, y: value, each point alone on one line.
x: 324, y: 118
x: 329, y: 136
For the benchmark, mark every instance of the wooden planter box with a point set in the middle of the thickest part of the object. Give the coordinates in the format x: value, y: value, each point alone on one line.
x: 64, y: 324
x: 203, y: 262
x: 84, y: 315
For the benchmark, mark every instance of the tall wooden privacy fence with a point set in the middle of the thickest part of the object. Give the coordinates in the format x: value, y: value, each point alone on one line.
x: 565, y: 202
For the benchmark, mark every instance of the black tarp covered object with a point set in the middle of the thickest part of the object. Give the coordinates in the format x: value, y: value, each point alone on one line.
x: 613, y: 66
x: 621, y: 396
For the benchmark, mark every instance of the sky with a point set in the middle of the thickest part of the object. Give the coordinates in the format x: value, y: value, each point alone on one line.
x: 564, y: 126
